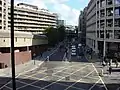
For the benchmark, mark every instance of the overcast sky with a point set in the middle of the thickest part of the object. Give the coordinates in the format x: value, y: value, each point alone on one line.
x: 68, y: 10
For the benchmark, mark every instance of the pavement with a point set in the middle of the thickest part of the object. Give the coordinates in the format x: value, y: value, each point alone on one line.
x: 71, y: 74
x: 112, y: 81
x: 57, y: 75
x: 37, y: 62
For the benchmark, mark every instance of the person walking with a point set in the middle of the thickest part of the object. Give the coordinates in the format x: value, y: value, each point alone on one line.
x: 110, y: 62
x: 110, y: 70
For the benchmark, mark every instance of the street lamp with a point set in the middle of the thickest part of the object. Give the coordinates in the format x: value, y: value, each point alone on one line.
x: 104, y: 44
x: 12, y: 46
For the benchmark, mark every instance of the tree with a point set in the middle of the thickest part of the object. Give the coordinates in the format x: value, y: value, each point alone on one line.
x: 52, y: 35
x: 61, y: 32
x: 55, y: 35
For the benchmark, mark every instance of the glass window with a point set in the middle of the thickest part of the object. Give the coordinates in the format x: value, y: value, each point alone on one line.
x: 117, y: 1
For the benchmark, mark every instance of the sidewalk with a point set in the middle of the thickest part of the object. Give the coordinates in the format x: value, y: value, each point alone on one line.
x: 29, y: 66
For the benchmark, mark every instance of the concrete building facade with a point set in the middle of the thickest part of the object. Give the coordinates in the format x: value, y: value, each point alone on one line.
x: 29, y: 18
x: 103, y: 25
x: 27, y: 44
x: 60, y: 22
x: 82, y: 26
x: 3, y: 14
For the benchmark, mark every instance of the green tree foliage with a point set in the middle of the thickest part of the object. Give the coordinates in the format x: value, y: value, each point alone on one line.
x: 55, y: 35
x: 61, y: 31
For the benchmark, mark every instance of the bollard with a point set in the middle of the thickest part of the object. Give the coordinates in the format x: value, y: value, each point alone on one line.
x: 101, y: 73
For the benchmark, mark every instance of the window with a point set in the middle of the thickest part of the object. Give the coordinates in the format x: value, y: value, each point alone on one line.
x: 110, y: 12
x: 24, y: 39
x: 15, y: 39
x: 117, y: 34
x: 102, y: 13
x: 117, y: 11
x: 109, y: 23
x: 117, y: 1
x: 117, y: 22
x: 109, y: 2
x: 4, y: 40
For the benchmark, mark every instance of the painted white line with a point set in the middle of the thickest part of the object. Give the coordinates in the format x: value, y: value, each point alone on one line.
x: 28, y: 70
x: 28, y: 85
x: 44, y: 77
x: 6, y: 84
x: 8, y: 87
x: 63, y: 77
x: 94, y: 85
x: 79, y: 80
x: 118, y: 88
x: 64, y: 57
x: 71, y: 87
x: 99, y: 77
x: 64, y: 68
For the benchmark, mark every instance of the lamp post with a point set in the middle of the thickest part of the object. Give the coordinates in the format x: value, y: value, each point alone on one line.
x: 104, y: 44
x: 12, y: 46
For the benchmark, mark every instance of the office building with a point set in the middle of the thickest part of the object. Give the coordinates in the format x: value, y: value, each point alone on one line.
x: 60, y: 22
x: 82, y: 26
x: 29, y: 18
x: 103, y: 24
x: 27, y: 44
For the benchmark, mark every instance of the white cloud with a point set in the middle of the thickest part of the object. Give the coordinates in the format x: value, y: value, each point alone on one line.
x: 67, y: 13
x: 64, y: 11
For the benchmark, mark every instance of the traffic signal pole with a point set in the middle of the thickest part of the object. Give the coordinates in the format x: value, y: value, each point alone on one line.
x: 12, y: 46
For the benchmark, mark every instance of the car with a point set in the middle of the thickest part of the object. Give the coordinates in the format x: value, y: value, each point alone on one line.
x: 73, y: 50
x: 80, y: 45
x: 73, y: 46
x: 73, y: 53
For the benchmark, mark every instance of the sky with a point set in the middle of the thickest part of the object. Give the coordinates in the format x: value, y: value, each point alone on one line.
x: 67, y: 10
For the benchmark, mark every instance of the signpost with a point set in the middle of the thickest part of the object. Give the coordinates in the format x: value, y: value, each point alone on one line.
x: 12, y: 46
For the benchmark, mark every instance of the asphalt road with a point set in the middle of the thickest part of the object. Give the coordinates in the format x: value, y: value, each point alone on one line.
x: 58, y: 74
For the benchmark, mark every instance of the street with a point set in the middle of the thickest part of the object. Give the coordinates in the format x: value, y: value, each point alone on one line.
x: 58, y: 74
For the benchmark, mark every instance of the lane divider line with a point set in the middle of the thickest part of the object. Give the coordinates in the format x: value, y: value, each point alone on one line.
x: 63, y: 77
x: 99, y: 76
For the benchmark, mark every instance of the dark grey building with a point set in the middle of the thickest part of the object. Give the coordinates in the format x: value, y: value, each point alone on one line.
x: 103, y: 26
x: 82, y: 26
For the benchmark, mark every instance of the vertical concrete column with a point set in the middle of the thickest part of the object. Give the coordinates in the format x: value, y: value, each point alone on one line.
x: 104, y: 39
x: 96, y: 46
x: 99, y: 19
x: 113, y: 19
x: 27, y: 48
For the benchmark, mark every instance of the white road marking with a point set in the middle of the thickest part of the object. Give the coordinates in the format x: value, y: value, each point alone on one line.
x: 94, y: 85
x: 71, y: 87
x: 63, y: 77
x: 27, y: 84
x: 65, y: 67
x: 45, y: 77
x: 8, y: 87
x: 26, y: 71
x: 79, y: 80
x: 100, y: 77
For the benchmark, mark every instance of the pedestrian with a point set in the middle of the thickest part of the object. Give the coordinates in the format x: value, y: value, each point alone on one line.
x: 47, y: 58
x: 40, y: 54
x: 110, y: 70
x: 116, y: 62
x: 110, y: 62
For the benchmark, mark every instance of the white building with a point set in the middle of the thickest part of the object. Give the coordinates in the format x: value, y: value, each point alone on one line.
x: 29, y: 18
x: 3, y: 15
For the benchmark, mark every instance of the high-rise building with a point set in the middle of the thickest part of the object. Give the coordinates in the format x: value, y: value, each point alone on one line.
x: 103, y: 26
x: 3, y: 15
x: 60, y: 22
x: 26, y: 44
x: 82, y: 26
x: 29, y: 18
